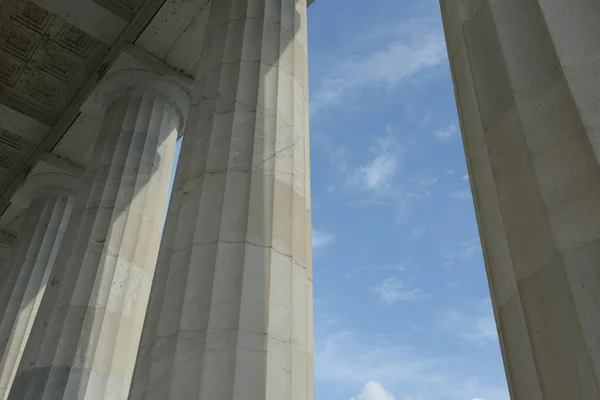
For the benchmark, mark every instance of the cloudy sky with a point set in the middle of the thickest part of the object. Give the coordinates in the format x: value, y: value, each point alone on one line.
x: 402, y: 307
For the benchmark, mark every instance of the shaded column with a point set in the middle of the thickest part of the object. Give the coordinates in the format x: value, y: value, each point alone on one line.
x: 84, y: 341
x: 526, y: 76
x: 26, y: 276
x: 230, y: 312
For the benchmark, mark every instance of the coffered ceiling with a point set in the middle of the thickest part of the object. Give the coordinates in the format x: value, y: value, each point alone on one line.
x: 53, y: 54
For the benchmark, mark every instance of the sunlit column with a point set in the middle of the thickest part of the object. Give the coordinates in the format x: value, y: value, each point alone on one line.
x: 527, y: 80
x: 230, y: 313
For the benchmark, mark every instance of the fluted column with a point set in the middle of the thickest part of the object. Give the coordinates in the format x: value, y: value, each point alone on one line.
x: 84, y: 341
x: 34, y: 255
x: 527, y: 78
x: 230, y: 313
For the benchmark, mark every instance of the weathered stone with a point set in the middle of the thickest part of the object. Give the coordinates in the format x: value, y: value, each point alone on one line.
x: 230, y: 313
x: 527, y: 81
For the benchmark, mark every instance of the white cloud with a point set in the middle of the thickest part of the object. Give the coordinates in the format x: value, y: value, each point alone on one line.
x: 398, y: 56
x: 462, y: 195
x: 394, y: 290
x: 344, y: 358
x: 378, y: 178
x: 450, y: 171
x: 465, y: 177
x: 321, y: 239
x: 462, y: 252
x: 374, y: 391
x: 478, y: 326
x: 444, y: 134
x: 379, y: 172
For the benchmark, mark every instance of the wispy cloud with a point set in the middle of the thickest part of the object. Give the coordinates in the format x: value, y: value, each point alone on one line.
x: 379, y: 178
x: 478, y: 326
x: 394, y: 290
x: 347, y: 359
x: 393, y: 56
x: 462, y: 252
x: 398, y: 266
x: 445, y: 134
x: 462, y: 195
x: 321, y: 239
x: 379, y: 172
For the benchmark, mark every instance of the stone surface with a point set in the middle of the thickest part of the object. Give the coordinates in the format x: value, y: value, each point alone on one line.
x: 4, y: 261
x: 25, y: 279
x: 230, y: 313
x: 83, y: 343
x: 526, y: 74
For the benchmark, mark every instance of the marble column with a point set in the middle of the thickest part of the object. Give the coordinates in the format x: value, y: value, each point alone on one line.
x: 34, y: 254
x: 230, y: 312
x: 527, y: 78
x: 84, y: 340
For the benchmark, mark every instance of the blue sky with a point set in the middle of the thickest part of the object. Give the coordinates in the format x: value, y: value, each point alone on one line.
x: 402, y: 308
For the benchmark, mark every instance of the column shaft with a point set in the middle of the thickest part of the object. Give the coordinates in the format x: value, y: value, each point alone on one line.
x: 230, y: 313
x: 527, y: 82
x: 35, y: 252
x: 84, y: 340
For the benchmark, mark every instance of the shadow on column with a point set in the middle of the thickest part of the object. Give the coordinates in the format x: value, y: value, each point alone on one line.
x: 238, y: 222
x: 83, y: 341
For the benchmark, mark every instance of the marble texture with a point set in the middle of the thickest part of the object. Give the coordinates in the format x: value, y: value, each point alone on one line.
x: 527, y: 76
x: 230, y: 313
x: 30, y: 265
x: 83, y: 342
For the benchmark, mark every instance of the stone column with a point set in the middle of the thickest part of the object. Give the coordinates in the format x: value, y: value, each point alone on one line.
x: 34, y: 254
x: 230, y: 313
x: 84, y: 340
x: 527, y: 80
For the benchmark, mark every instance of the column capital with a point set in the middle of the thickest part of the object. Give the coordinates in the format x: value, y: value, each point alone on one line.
x: 127, y: 82
x: 41, y: 184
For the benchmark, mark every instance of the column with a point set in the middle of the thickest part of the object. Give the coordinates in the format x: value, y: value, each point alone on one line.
x: 25, y: 278
x: 230, y: 312
x: 84, y: 340
x: 527, y: 83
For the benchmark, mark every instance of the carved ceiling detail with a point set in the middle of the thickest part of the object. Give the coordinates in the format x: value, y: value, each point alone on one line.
x: 44, y: 60
x: 13, y: 149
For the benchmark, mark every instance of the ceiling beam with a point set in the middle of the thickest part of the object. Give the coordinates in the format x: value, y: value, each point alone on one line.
x: 116, y: 9
x: 6, y: 239
x: 27, y: 109
x: 63, y: 164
